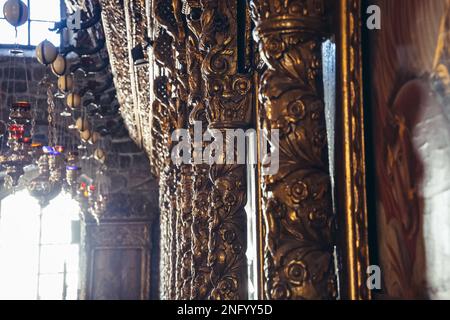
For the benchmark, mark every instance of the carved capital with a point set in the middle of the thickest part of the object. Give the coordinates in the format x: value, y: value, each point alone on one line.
x: 229, y: 105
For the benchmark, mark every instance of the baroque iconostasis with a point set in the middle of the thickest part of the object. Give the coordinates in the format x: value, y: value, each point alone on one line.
x: 341, y: 111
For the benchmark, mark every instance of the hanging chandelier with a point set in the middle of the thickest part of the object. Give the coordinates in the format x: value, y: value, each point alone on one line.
x: 59, y: 161
x: 15, y: 12
x: 20, y: 122
x: 44, y: 187
x: 20, y: 152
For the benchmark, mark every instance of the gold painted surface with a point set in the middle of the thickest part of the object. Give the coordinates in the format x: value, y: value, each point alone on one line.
x: 194, y: 77
x: 114, y: 25
x: 200, y: 285
x: 351, y: 198
x: 298, y: 213
x: 228, y: 106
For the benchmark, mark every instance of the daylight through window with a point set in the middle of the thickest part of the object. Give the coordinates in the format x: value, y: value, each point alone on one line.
x: 42, y: 15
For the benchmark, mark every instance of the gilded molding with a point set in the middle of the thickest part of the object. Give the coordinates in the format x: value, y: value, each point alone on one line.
x: 173, y: 238
x: 351, y: 175
x: 171, y: 91
x: 165, y: 245
x: 201, y: 285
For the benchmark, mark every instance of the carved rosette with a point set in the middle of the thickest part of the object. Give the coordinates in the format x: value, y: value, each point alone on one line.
x: 228, y: 102
x: 297, y: 204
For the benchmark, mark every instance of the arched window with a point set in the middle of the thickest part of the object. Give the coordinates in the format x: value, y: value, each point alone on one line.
x: 42, y: 15
x: 39, y: 250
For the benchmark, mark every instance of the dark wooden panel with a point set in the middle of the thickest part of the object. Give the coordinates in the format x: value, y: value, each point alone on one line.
x: 117, y: 261
x: 116, y: 274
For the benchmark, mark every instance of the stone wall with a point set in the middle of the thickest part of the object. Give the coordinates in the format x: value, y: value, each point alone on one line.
x: 13, y: 74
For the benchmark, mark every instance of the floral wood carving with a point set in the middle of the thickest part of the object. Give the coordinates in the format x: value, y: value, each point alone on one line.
x: 201, y: 285
x: 228, y: 106
x: 114, y: 25
x: 297, y: 206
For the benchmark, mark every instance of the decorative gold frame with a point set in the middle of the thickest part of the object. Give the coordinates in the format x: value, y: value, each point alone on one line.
x: 350, y: 155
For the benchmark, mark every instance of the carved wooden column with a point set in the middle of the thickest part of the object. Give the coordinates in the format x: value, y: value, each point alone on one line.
x: 163, y: 86
x: 201, y: 184
x: 185, y: 258
x: 173, y: 88
x: 200, y: 233
x: 297, y: 204
x: 114, y: 25
x: 137, y: 25
x: 228, y: 102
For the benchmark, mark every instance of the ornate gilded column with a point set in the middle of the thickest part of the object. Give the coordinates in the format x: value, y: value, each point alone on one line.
x: 201, y: 184
x: 173, y: 88
x: 114, y: 25
x: 185, y: 225
x: 228, y: 105
x: 137, y: 24
x: 200, y: 234
x: 297, y: 203
x: 164, y: 88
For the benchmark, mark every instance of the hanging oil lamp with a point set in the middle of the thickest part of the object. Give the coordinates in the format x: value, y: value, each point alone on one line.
x: 36, y: 150
x: 100, y: 155
x: 19, y: 154
x: 15, y: 12
x: 55, y: 162
x: 46, y: 52
x: 65, y: 85
x: 73, y: 100
x: 102, y: 195
x: 72, y: 172
x: 21, y: 113
x: 43, y: 188
x: 91, y: 195
x: 59, y: 66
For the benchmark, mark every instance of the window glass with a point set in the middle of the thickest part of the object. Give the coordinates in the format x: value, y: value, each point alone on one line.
x: 42, y: 15
x: 45, y: 10
x: 8, y: 33
x: 39, y: 32
x: 39, y: 260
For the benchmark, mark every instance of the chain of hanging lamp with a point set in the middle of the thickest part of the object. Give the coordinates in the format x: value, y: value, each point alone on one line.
x: 55, y: 164
x: 20, y: 124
